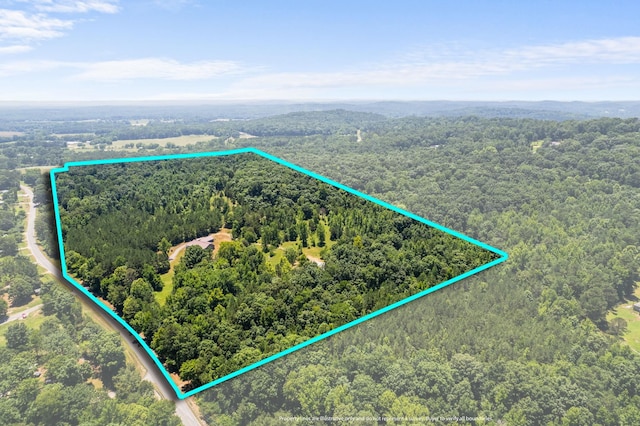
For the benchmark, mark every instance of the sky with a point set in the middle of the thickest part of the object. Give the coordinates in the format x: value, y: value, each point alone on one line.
x: 219, y: 50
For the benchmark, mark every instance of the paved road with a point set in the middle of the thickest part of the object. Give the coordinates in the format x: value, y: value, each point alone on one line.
x: 183, y: 408
x: 41, y: 259
x: 18, y: 315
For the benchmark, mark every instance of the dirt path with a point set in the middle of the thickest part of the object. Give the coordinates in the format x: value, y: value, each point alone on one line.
x: 175, y: 250
x: 358, y: 136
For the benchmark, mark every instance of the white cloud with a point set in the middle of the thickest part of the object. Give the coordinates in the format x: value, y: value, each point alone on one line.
x: 156, y: 68
x: 19, y: 25
x: 622, y: 50
x: 588, y: 67
x: 145, y: 68
x: 550, y: 85
x: 37, y: 23
x: 18, y: 48
x: 72, y: 6
x: 450, y: 70
x: 23, y: 67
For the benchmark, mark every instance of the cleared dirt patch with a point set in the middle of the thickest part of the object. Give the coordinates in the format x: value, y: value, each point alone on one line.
x: 220, y: 237
x: 176, y: 379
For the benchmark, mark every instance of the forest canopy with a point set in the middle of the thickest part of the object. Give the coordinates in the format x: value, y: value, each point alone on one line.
x: 530, y: 342
x: 260, y: 293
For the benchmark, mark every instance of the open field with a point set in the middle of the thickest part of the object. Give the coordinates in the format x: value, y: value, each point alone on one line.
x: 120, y: 145
x: 41, y: 168
x: 625, y: 311
x: 9, y: 134
x: 278, y: 253
x: 74, y: 135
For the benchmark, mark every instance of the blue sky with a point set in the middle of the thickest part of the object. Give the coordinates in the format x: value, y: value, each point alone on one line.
x: 93, y: 50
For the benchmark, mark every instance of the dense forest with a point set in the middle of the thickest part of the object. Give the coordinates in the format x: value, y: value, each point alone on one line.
x: 526, y: 342
x: 227, y: 311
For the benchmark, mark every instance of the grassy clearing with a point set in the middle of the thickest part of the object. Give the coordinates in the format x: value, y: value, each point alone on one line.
x: 625, y: 311
x: 97, y: 383
x: 278, y: 253
x: 315, y: 251
x: 33, y: 321
x: 311, y: 252
x: 167, y: 281
x: 34, y: 302
x: 536, y: 145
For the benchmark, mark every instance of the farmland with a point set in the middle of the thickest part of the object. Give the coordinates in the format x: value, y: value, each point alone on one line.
x: 137, y: 144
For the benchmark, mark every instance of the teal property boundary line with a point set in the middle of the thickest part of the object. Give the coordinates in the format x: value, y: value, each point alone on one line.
x: 182, y: 395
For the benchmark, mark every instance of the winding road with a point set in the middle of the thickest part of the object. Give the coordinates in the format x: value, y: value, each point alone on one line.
x: 184, y: 410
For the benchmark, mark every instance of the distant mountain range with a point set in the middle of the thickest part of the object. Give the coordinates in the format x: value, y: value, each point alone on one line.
x: 548, y: 110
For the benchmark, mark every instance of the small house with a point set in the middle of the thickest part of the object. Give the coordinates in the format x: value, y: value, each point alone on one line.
x: 636, y: 307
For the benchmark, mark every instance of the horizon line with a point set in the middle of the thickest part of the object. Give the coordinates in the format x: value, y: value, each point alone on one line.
x: 196, y: 101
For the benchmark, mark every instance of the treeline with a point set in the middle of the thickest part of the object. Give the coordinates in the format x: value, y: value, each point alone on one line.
x: 229, y: 311
x: 106, y: 131
x: 29, y: 152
